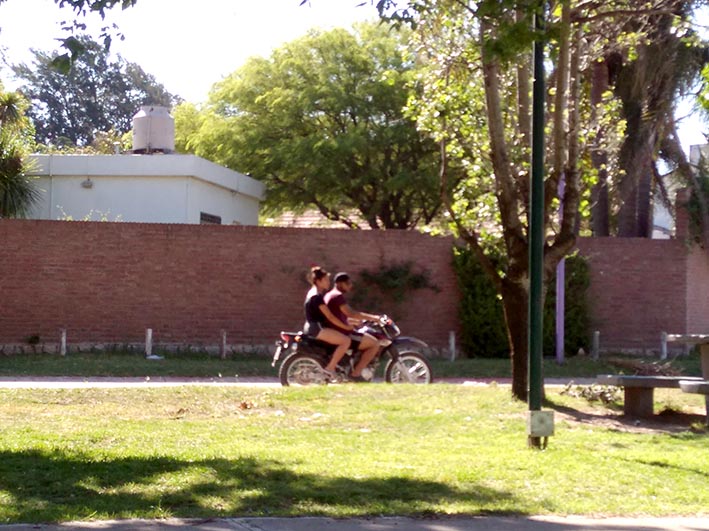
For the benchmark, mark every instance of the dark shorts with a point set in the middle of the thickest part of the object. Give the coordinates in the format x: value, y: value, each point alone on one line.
x: 356, y: 338
x: 312, y: 329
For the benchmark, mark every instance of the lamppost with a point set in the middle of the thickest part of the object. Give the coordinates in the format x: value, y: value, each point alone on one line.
x: 540, y: 424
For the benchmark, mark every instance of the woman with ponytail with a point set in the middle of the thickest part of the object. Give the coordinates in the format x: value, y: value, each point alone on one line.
x: 318, y: 318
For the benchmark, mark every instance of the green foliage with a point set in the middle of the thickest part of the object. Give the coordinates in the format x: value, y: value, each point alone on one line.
x: 577, y: 320
x: 320, y: 122
x: 389, y: 283
x: 75, y: 44
x: 97, y: 94
x: 697, y: 207
x: 482, y: 316
x: 17, y: 192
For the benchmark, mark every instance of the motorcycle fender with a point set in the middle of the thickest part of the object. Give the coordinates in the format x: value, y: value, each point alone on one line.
x: 402, y: 342
x: 280, y: 349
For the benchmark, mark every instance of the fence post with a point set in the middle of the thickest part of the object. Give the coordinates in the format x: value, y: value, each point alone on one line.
x: 62, y: 343
x: 451, y: 345
x: 148, y: 342
x: 222, y: 348
x: 595, y: 347
x: 663, y: 345
x: 149, y: 346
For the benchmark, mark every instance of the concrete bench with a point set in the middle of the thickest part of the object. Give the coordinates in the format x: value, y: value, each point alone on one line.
x: 638, y: 391
x: 702, y: 387
x: 702, y: 340
x: 699, y: 388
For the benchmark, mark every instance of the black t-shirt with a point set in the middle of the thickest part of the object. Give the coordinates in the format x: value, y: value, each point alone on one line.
x: 313, y: 314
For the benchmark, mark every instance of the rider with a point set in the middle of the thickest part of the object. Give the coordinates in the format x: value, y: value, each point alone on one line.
x: 335, y: 300
x: 320, y: 323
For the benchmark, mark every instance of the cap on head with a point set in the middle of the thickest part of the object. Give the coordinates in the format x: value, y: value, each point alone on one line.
x: 341, y: 277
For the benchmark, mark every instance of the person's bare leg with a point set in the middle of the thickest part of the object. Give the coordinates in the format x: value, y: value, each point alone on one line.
x: 335, y: 338
x: 369, y: 347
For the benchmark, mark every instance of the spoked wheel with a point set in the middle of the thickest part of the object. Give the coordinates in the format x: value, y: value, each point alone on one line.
x: 412, y: 367
x: 301, y: 369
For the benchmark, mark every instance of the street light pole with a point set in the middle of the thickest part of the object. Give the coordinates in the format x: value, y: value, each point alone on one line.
x: 538, y: 421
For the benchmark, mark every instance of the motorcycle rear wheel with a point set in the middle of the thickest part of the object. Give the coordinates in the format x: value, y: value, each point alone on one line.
x: 416, y: 367
x: 301, y: 369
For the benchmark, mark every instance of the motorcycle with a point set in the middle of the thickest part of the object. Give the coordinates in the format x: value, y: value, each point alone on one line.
x: 303, y: 358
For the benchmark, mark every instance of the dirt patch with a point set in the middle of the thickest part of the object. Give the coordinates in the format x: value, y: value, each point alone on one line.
x: 667, y: 421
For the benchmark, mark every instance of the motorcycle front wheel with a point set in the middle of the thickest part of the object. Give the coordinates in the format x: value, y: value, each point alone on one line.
x: 411, y: 367
x: 301, y: 369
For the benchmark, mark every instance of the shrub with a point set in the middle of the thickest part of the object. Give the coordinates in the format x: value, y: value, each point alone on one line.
x: 390, y: 284
x: 482, y: 317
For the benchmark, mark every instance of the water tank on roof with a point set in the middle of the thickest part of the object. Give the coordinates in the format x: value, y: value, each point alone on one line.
x: 153, y: 130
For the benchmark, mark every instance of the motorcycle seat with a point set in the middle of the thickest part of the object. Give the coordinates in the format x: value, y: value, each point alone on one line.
x: 316, y: 342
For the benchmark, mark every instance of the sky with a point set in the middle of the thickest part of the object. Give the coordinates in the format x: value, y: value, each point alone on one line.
x: 187, y: 48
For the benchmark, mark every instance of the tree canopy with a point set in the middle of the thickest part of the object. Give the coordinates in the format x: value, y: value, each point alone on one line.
x: 17, y: 192
x: 74, y: 44
x: 322, y: 123
x: 98, y: 94
x: 475, y: 101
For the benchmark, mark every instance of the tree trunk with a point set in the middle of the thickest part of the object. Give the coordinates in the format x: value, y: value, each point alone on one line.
x: 635, y: 187
x: 600, y: 207
x: 515, y: 300
x: 645, y: 196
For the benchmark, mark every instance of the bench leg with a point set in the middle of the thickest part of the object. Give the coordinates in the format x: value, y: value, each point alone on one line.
x: 638, y: 401
x: 704, y: 357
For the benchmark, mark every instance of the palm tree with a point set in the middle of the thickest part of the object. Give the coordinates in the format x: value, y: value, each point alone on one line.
x: 17, y: 193
x: 665, y: 69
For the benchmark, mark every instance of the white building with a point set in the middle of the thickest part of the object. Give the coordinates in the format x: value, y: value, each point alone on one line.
x: 663, y: 219
x: 152, y: 185
x: 157, y: 188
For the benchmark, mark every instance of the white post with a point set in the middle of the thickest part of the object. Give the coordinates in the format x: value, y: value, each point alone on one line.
x: 451, y: 345
x: 62, y: 343
x: 663, y: 346
x: 222, y: 350
x: 596, y: 345
x: 148, y: 342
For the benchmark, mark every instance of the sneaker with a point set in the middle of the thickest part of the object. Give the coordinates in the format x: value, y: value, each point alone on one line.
x: 330, y: 376
x: 359, y: 379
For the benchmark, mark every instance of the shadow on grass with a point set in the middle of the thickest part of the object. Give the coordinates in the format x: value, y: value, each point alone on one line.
x: 668, y: 421
x: 58, y: 486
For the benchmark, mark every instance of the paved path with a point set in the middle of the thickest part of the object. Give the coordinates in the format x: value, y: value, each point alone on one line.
x: 71, y: 382
x: 535, y: 523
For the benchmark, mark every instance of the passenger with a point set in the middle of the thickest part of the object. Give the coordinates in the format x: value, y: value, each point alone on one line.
x: 320, y: 323
x: 337, y: 304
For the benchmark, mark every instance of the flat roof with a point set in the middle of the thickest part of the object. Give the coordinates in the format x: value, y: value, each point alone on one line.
x: 153, y: 165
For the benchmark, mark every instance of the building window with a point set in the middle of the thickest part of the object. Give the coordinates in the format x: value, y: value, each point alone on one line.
x: 209, y: 219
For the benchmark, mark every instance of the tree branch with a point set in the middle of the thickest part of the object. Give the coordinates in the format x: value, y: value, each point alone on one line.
x: 469, y: 236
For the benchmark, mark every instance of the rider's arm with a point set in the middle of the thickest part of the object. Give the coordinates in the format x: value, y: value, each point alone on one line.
x: 334, y: 320
x: 354, y: 314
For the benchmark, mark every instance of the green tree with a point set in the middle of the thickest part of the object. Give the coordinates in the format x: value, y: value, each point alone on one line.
x: 321, y: 122
x: 74, y: 44
x: 17, y: 193
x: 475, y: 101
x: 98, y: 94
x: 648, y: 80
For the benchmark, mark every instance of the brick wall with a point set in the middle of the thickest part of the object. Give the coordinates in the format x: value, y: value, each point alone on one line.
x: 638, y: 289
x: 698, y: 291
x: 108, y: 282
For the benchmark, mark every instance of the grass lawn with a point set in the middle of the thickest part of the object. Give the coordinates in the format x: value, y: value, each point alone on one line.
x: 345, y: 450
x: 126, y: 364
